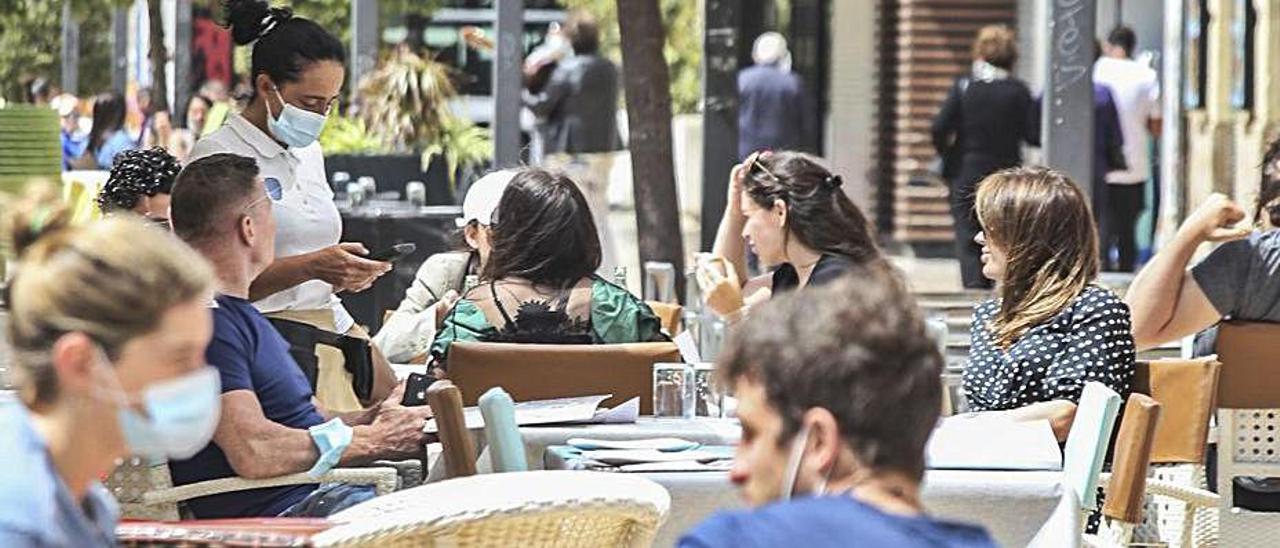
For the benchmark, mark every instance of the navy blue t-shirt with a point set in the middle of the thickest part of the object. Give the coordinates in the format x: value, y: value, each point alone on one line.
x: 250, y: 355
x: 818, y: 522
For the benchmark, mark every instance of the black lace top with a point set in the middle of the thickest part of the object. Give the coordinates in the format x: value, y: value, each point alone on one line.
x: 541, y: 321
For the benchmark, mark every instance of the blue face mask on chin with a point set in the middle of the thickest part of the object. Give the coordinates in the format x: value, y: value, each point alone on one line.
x: 294, y: 126
x: 179, y: 415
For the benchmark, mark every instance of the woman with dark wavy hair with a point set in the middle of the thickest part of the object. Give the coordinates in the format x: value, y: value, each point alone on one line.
x: 539, y: 283
x: 793, y: 213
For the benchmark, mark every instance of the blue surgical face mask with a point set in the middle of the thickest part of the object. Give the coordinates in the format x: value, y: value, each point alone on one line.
x: 179, y: 415
x: 294, y: 126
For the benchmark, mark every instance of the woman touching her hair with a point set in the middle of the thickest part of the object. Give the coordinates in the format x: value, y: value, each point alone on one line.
x: 794, y: 214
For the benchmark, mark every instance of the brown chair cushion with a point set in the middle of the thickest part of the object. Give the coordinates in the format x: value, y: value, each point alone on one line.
x: 669, y: 314
x: 1127, y: 490
x: 1249, y: 353
x: 1186, y: 390
x: 545, y: 371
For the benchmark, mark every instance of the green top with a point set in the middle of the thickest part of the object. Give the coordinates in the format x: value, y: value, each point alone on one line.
x: 617, y: 317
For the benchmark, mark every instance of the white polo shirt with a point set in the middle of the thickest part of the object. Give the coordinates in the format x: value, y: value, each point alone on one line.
x: 307, y: 218
x: 1136, y: 90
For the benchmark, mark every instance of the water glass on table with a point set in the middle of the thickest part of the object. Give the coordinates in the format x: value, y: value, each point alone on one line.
x: 416, y: 193
x: 708, y: 402
x: 673, y: 390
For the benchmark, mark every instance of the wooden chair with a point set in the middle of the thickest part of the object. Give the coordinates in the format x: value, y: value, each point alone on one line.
x: 1248, y: 422
x: 1126, y: 484
x: 545, y: 371
x: 1187, y: 391
x: 1247, y: 400
x: 459, y: 448
x: 670, y: 315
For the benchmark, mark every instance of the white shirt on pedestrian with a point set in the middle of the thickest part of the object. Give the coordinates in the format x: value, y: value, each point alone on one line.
x: 1136, y: 90
x: 307, y: 219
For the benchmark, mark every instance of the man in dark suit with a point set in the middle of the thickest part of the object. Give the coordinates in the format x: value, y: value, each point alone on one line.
x: 577, y: 122
x: 771, y: 102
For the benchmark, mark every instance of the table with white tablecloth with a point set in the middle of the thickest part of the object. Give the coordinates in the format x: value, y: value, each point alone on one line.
x: 706, y: 431
x: 1018, y: 508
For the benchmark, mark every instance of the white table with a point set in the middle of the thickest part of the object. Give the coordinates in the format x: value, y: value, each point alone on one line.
x: 706, y: 431
x: 1017, y: 508
x: 1024, y: 508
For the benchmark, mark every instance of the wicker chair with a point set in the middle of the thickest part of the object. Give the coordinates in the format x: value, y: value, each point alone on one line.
x: 1248, y: 412
x: 525, y: 509
x: 145, y: 489
x: 1179, y: 511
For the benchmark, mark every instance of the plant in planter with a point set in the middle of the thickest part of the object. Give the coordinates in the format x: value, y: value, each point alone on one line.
x: 406, y: 103
x: 348, y: 135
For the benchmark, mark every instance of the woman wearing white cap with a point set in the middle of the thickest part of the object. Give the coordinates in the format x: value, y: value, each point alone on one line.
x: 407, y: 334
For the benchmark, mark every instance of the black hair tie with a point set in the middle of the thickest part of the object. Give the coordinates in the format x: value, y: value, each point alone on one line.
x: 833, y: 181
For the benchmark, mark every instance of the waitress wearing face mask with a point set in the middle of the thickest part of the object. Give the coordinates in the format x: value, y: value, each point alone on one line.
x: 108, y: 324
x: 297, y: 78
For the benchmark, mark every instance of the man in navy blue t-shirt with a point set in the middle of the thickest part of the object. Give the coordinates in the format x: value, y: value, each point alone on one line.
x: 221, y: 208
x: 838, y: 391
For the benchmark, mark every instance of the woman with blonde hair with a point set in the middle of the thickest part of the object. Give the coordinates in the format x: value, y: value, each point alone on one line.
x: 980, y: 129
x: 107, y: 326
x: 1050, y: 329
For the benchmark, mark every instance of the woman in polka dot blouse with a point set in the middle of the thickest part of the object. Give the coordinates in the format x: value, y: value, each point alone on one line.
x: 1050, y: 329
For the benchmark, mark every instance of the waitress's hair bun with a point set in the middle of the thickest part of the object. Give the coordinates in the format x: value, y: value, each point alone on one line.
x: 283, y: 45
x: 250, y: 20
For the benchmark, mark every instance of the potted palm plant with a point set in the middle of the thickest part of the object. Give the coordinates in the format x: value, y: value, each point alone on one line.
x: 404, y: 129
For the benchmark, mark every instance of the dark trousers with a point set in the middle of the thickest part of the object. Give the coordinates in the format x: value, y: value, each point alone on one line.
x: 968, y: 251
x: 1124, y: 205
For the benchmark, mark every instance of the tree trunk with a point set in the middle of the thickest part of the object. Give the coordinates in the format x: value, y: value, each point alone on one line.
x: 648, y: 97
x: 159, y: 56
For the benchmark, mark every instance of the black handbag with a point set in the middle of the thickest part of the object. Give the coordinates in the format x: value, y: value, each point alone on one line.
x: 357, y: 355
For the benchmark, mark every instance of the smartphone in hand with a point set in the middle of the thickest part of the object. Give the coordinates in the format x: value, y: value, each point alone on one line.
x: 393, y: 253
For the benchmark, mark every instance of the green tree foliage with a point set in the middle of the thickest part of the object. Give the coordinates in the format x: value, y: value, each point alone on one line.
x: 683, y: 51
x: 31, y: 44
x: 335, y: 15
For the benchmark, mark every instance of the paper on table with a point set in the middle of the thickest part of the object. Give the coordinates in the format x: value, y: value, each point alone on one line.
x: 625, y: 413
x: 656, y: 444
x: 677, y: 466
x: 631, y: 456
x: 975, y: 442
x: 688, y: 347
x: 562, y: 410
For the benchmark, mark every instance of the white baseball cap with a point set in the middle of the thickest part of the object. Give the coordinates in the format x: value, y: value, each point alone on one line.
x: 483, y: 197
x: 65, y: 104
